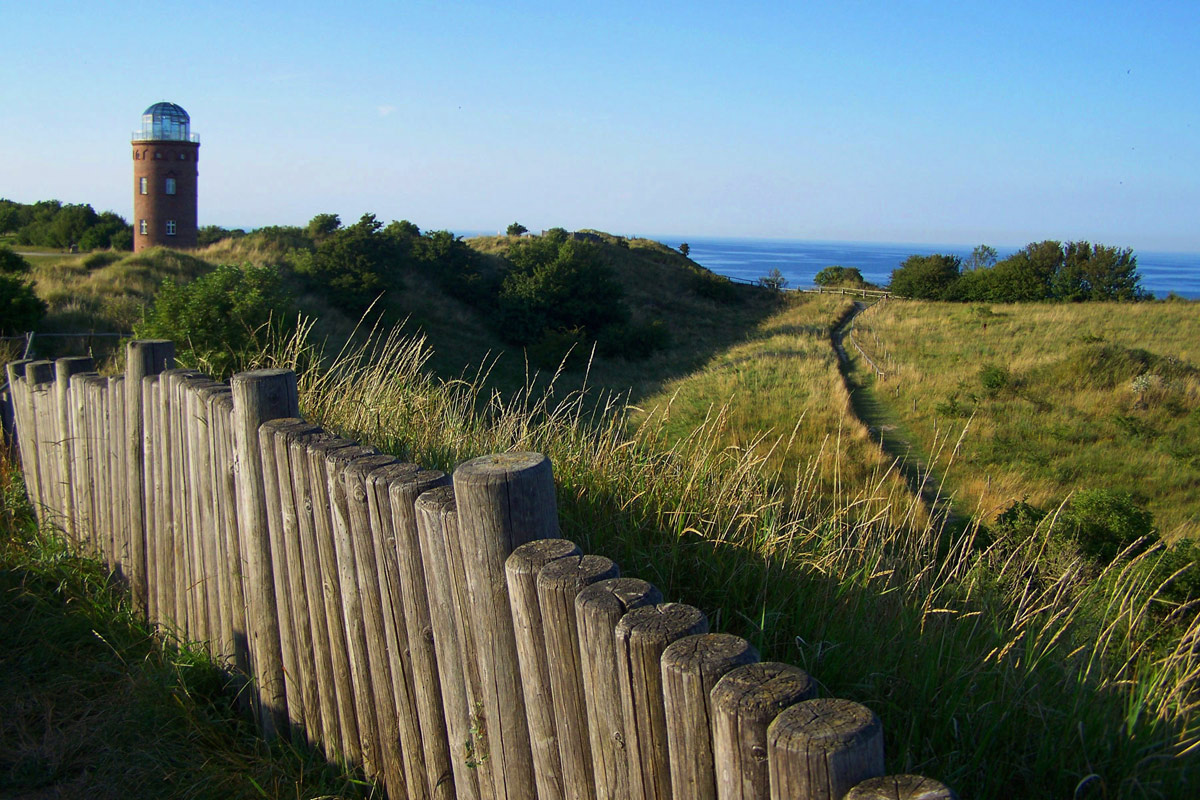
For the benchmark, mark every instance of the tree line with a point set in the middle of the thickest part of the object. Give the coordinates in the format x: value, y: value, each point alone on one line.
x: 1040, y: 271
x: 51, y: 223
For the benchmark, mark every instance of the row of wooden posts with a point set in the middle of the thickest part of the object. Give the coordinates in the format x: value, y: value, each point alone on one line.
x: 433, y: 629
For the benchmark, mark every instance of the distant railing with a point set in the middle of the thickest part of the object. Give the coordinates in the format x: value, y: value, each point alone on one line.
x: 432, y: 628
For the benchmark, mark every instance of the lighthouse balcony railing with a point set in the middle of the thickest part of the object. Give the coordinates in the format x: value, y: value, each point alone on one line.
x: 150, y: 136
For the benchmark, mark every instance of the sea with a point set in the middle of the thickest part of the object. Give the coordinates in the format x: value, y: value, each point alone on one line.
x: 799, y: 261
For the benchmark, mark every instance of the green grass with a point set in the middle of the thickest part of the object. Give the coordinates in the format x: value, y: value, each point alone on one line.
x: 1003, y: 673
x: 93, y: 705
x: 1054, y: 398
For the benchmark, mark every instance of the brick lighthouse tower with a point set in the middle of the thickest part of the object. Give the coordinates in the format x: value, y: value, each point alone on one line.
x: 165, y: 152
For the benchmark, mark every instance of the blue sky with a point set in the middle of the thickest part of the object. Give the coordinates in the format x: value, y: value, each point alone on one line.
x: 916, y: 122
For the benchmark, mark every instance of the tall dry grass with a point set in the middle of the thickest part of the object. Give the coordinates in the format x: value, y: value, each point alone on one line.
x: 1002, y: 672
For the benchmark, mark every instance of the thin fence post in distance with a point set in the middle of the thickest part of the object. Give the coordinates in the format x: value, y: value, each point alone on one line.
x: 150, y: 467
x: 18, y: 392
x: 257, y: 397
x: 503, y: 501
x: 558, y: 584
x: 744, y: 703
x: 38, y: 373
x: 64, y: 368
x: 522, y: 567
x: 691, y: 667
x: 142, y: 357
x: 820, y: 749
x: 642, y: 636
x: 117, y: 453
x: 901, y: 787
x: 80, y: 489
x: 598, y: 609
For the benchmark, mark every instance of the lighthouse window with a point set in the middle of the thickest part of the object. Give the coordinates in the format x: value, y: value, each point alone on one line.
x: 170, y: 227
x: 142, y: 187
x: 170, y: 186
x: 183, y: 156
x: 157, y: 155
x: 142, y: 227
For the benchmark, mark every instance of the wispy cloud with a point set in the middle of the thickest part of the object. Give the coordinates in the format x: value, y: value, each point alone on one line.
x: 386, y: 111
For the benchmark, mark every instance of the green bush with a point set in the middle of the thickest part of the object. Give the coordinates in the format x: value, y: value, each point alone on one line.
x: 20, y: 308
x: 994, y: 379
x: 11, y: 262
x: 1104, y: 522
x: 926, y: 277
x: 840, y: 276
x: 557, y: 285
x: 220, y: 321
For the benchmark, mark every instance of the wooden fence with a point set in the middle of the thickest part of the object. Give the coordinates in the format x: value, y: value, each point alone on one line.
x: 433, y: 629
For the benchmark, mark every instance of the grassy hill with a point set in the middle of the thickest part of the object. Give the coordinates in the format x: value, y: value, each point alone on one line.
x: 1052, y: 398
x: 741, y: 483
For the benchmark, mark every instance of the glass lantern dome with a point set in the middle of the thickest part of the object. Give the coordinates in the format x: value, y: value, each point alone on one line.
x: 165, y: 122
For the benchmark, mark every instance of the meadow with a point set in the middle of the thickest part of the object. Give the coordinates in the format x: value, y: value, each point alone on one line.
x: 732, y: 475
x: 1047, y: 399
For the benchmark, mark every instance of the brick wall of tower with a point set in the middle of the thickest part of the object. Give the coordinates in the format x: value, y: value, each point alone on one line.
x: 156, y: 161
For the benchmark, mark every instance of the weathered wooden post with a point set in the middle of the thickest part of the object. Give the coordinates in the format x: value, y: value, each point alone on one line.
x: 558, y: 584
x: 376, y: 654
x: 393, y: 498
x: 349, y: 723
x: 64, y: 368
x: 691, y: 667
x: 18, y: 392
x: 257, y: 397
x: 522, y: 568
x: 314, y: 587
x: 820, y: 749
x: 378, y: 727
x: 503, y: 502
x: 901, y: 787
x: 598, y: 609
x: 299, y: 690
x: 744, y: 702
x: 142, y: 357
x: 120, y: 491
x: 37, y: 375
x: 78, y: 407
x: 642, y: 636
x: 437, y: 524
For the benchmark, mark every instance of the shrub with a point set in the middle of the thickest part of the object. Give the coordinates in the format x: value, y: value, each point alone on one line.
x: 11, y: 262
x: 20, y: 308
x: 557, y: 285
x: 994, y: 379
x: 926, y: 277
x: 221, y: 320
x: 840, y: 276
x: 1104, y: 522
x: 773, y: 280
